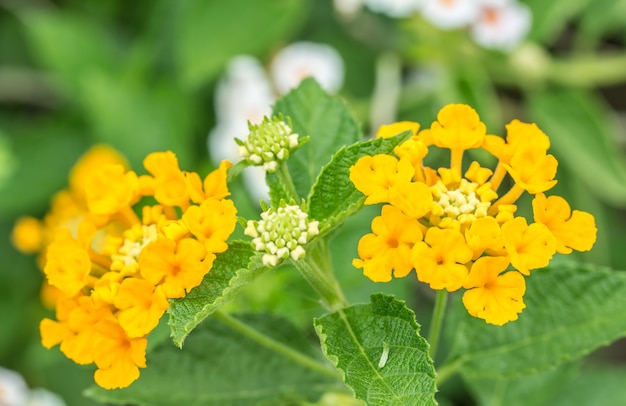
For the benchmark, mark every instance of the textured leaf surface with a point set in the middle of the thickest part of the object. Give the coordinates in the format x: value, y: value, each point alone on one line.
x: 333, y: 194
x: 277, y: 189
x: 356, y: 339
x: 580, y: 130
x: 220, y: 367
x: 326, y: 120
x: 231, y: 272
x: 212, y: 32
x: 571, y: 310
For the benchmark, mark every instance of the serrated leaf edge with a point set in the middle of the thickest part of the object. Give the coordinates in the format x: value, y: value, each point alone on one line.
x: 223, y: 299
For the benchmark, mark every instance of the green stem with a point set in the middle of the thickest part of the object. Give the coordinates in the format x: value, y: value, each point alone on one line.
x: 274, y: 345
x: 322, y: 282
x: 437, y: 321
x: 285, y: 180
x: 447, y: 370
x: 532, y: 66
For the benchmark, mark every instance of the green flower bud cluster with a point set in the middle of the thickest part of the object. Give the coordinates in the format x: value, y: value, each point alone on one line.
x: 281, y: 233
x: 268, y: 143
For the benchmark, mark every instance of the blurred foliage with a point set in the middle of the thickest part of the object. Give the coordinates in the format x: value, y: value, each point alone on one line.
x: 140, y: 76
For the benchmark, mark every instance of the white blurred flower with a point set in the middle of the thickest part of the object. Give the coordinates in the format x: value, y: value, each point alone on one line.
x: 394, y: 8
x: 303, y: 59
x: 450, y: 14
x: 348, y: 8
x: 245, y: 94
x: 501, y: 24
x: 42, y: 397
x: 13, y: 389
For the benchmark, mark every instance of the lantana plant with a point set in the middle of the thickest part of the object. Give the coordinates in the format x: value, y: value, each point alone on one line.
x: 139, y: 246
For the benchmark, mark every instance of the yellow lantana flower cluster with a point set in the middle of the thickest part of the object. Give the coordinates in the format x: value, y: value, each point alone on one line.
x: 118, y: 270
x: 68, y: 208
x: 457, y: 226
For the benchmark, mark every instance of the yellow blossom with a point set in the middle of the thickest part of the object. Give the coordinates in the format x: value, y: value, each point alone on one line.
x: 175, y: 266
x: 472, y: 236
x: 572, y: 229
x: 529, y: 246
x: 440, y: 259
x: 213, y: 187
x: 533, y: 170
x: 117, y: 266
x: 141, y: 305
x: 389, y: 130
x: 68, y: 263
x: 388, y: 248
x: 167, y: 183
x: 96, y: 157
x: 458, y: 127
x: 519, y: 136
x: 117, y: 356
x: 28, y: 235
x: 375, y: 176
x: 493, y: 294
x: 211, y: 223
x: 483, y: 235
x: 111, y: 189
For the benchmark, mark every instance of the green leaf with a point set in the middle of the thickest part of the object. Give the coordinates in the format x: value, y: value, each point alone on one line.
x: 551, y: 17
x: 326, y: 120
x: 211, y: 32
x: 334, y: 195
x: 70, y: 45
x: 277, y: 189
x: 221, y: 367
x: 138, y: 119
x: 583, y: 138
x: 571, y: 310
x: 232, y: 271
x: 378, y: 348
x: 596, y: 385
x: 534, y: 389
x: 602, y: 17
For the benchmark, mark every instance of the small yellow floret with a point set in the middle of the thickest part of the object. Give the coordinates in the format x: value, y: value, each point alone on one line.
x: 572, y: 229
x: 28, y: 235
x: 494, y: 295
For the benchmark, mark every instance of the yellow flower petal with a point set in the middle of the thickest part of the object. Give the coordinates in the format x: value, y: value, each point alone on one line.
x: 485, y: 235
x: 141, y: 306
x: 458, y: 126
x: 111, y: 189
x: 529, y: 247
x: 390, y: 130
x: 494, y: 296
x: 177, y: 267
x: 533, y: 170
x: 95, y: 158
x: 212, y: 223
x: 375, y: 175
x: 440, y: 259
x: 170, y: 185
x: 572, y: 230
x: 28, y: 235
x: 519, y: 136
x: 388, y: 248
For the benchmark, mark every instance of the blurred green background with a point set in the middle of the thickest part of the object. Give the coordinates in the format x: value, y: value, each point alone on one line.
x: 141, y: 77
